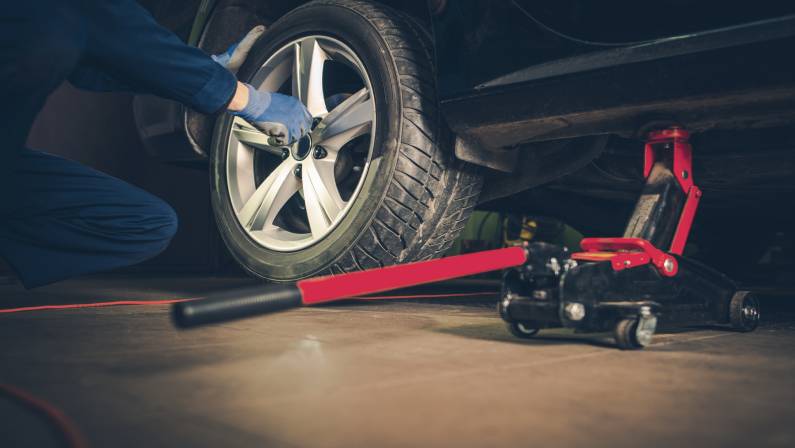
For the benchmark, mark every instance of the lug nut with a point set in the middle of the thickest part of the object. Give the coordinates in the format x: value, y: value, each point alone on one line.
x: 285, y: 154
x: 320, y: 152
x: 297, y: 171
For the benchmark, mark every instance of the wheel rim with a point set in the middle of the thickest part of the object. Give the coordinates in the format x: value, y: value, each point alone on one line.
x: 289, y: 198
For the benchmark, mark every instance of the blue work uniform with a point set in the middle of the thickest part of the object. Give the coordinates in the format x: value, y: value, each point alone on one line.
x: 58, y: 218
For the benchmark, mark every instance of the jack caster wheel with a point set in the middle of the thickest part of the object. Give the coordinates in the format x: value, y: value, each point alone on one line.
x: 633, y: 334
x: 744, y: 312
x: 524, y: 330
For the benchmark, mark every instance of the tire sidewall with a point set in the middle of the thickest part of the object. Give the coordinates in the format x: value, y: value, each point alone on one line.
x: 360, y: 35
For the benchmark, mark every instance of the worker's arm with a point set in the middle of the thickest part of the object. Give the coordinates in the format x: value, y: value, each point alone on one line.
x: 89, y: 76
x: 127, y: 49
x: 126, y: 46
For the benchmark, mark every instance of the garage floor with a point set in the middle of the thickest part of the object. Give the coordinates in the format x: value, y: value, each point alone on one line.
x: 380, y: 374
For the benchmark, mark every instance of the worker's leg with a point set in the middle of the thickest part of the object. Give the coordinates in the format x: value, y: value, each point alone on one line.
x: 65, y: 219
x: 57, y: 218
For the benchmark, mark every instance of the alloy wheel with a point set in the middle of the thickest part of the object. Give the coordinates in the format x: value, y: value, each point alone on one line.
x: 289, y: 198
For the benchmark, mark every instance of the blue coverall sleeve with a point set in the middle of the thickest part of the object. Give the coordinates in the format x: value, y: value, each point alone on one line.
x: 125, y: 45
x: 88, y: 77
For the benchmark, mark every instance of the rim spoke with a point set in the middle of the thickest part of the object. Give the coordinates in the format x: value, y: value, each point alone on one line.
x: 308, y: 75
x: 318, y: 222
x: 321, y: 194
x: 262, y: 207
x: 249, y: 135
x: 352, y: 118
x: 321, y: 175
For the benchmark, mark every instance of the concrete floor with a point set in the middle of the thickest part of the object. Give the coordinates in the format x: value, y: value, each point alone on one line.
x: 397, y: 374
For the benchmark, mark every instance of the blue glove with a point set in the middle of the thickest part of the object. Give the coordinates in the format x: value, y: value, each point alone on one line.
x: 284, y: 118
x: 236, y: 54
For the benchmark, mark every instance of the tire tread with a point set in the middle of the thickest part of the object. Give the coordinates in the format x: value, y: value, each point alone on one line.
x: 431, y: 194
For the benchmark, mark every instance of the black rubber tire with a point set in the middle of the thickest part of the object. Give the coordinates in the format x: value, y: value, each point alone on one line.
x: 625, y: 334
x: 737, y: 318
x: 524, y: 330
x: 416, y: 196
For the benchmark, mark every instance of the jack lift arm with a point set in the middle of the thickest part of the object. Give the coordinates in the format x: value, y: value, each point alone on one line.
x: 622, y: 284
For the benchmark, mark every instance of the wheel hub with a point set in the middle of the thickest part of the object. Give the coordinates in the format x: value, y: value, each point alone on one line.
x: 302, y: 148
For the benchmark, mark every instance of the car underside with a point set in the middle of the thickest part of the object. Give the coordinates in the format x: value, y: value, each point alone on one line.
x: 547, y: 105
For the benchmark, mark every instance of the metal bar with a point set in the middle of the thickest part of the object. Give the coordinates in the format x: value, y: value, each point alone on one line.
x: 252, y: 301
x: 327, y: 289
x: 685, y: 221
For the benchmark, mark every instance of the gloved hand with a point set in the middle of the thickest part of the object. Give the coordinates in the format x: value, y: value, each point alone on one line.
x: 284, y: 118
x: 236, y: 54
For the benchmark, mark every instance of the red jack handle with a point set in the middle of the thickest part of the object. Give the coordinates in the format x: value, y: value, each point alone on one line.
x: 268, y: 299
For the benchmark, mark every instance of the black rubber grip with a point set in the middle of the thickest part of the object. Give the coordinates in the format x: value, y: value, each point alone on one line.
x: 236, y: 304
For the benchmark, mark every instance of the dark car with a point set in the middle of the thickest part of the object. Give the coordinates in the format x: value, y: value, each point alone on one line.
x: 426, y: 110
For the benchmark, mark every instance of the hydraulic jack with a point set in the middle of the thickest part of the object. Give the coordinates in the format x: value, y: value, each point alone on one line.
x: 624, y: 284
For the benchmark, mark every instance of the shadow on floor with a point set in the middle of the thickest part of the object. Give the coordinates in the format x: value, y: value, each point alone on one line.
x: 497, y: 331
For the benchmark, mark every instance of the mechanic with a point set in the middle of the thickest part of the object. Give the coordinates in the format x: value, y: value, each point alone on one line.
x: 59, y: 219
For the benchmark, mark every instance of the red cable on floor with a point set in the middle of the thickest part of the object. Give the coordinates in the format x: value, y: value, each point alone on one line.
x: 70, y: 306
x: 91, y: 305
x: 63, y: 424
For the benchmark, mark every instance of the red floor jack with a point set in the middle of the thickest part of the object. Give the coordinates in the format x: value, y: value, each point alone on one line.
x: 622, y: 284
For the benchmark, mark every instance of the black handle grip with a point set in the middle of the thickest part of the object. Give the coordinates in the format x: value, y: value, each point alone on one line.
x: 235, y: 304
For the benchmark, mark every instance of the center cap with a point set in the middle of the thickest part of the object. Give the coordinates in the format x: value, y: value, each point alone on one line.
x: 302, y: 147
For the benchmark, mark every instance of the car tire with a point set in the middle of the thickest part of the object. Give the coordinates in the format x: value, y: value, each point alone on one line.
x: 415, y: 197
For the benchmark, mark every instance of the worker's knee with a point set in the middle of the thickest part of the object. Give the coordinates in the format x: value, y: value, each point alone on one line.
x: 136, y: 229
x: 159, y: 224
x: 167, y: 223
